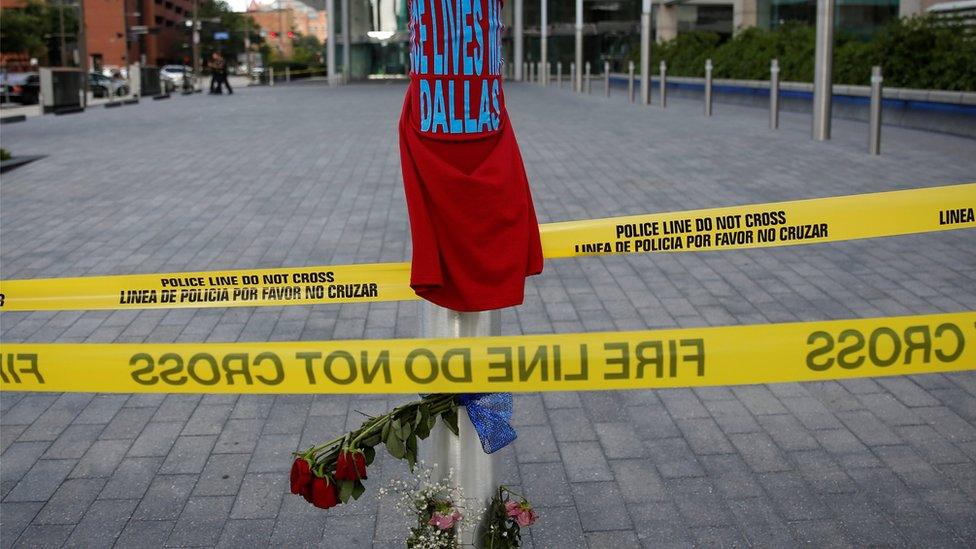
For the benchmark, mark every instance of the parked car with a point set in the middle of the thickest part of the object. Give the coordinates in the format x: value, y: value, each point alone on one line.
x: 101, y: 85
x: 171, y: 76
x: 22, y: 87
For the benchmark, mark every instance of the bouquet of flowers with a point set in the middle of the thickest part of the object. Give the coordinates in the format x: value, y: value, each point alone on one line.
x: 505, y: 520
x: 329, y: 474
x: 434, y: 505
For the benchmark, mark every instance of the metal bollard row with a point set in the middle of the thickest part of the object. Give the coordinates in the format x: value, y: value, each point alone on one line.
x: 606, y: 78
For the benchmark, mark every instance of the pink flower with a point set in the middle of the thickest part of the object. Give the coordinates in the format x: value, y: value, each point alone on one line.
x: 521, y: 512
x: 444, y: 522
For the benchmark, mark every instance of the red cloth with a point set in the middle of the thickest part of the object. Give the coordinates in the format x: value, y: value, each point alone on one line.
x: 474, y: 229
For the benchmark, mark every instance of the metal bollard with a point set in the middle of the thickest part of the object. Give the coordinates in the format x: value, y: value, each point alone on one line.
x: 548, y: 73
x: 606, y: 78
x: 664, y: 85
x: 708, y: 87
x: 572, y: 76
x: 525, y: 70
x: 874, y: 139
x: 774, y: 94
x: 287, y: 74
x: 589, y: 81
x: 630, y: 81
x: 271, y: 76
x: 474, y: 470
x: 559, y: 74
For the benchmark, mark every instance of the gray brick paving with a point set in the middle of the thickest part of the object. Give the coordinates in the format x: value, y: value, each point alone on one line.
x: 303, y: 175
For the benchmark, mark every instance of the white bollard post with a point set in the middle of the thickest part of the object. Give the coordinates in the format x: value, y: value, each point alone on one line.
x: 271, y: 76
x: 572, y: 76
x: 874, y: 138
x: 664, y: 85
x: 287, y: 74
x: 559, y: 74
x: 774, y: 94
x: 589, y: 81
x: 606, y: 78
x: 630, y: 81
x: 708, y: 87
x: 474, y: 471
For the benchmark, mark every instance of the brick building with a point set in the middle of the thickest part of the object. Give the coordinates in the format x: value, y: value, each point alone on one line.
x: 166, y: 33
x: 279, y: 17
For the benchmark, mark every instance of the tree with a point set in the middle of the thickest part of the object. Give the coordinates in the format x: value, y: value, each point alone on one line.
x: 217, y: 16
x: 307, y: 49
x: 33, y: 29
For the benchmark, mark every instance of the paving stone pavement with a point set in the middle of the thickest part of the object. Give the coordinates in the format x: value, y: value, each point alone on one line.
x: 305, y: 175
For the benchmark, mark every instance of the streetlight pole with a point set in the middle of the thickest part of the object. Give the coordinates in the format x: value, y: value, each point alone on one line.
x: 196, y: 41
x: 823, y: 70
x: 64, y: 45
x: 517, y: 41
x: 346, y: 43
x: 330, y: 53
x: 83, y: 52
x: 544, y: 43
x: 646, y: 52
x: 247, y: 43
x: 578, y: 84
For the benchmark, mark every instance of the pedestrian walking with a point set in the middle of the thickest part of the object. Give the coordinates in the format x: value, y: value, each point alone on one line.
x: 218, y: 78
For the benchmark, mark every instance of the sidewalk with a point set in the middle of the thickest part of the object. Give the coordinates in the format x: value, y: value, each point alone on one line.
x: 307, y: 175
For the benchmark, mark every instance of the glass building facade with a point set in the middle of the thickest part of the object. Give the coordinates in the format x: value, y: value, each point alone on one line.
x: 611, y: 27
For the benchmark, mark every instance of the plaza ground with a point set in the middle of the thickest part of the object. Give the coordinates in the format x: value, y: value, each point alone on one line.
x: 302, y: 174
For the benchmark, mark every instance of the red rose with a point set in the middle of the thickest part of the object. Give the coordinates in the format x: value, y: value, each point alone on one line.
x: 351, y: 465
x: 301, y: 476
x: 323, y: 494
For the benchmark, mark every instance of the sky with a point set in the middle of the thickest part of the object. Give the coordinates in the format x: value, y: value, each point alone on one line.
x: 238, y: 5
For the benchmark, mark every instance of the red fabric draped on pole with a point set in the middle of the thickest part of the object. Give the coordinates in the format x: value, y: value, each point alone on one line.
x: 474, y: 229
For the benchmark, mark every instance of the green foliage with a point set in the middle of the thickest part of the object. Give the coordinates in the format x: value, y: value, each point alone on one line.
x: 5, y: 155
x: 916, y: 52
x: 307, y: 50
x: 34, y: 29
x: 217, y: 15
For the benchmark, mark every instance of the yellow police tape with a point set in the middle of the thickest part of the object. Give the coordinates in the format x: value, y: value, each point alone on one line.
x: 693, y: 357
x: 790, y: 223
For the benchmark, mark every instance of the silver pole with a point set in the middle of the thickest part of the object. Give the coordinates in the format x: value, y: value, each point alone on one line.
x: 346, y: 43
x: 330, y: 53
x: 287, y: 73
x: 874, y: 139
x: 544, y: 40
x: 645, y: 66
x: 559, y: 74
x: 774, y: 94
x: 708, y: 87
x: 823, y: 70
x: 630, y: 81
x: 578, y: 81
x: 572, y: 76
x: 525, y: 70
x: 606, y: 78
x: 518, y: 41
x: 271, y: 76
x: 664, y: 85
x: 548, y: 72
x: 473, y: 470
x: 589, y: 81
